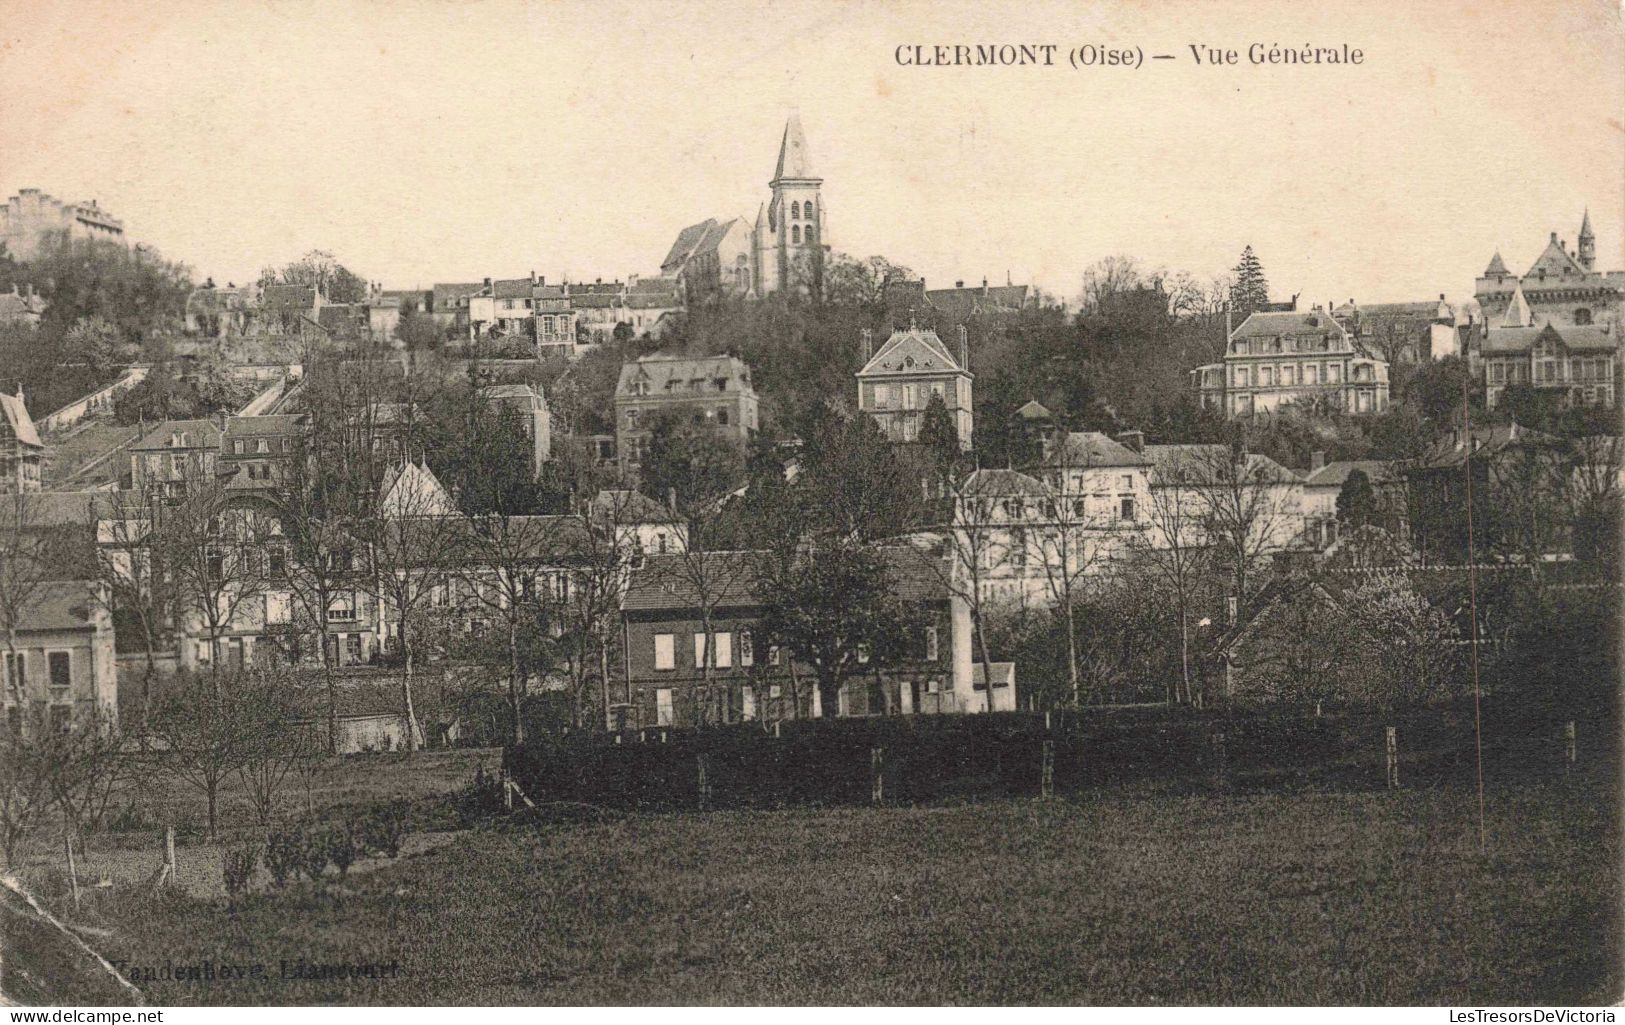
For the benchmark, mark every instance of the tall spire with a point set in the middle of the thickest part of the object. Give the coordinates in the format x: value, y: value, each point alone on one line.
x: 1586, y: 249
x: 793, y: 160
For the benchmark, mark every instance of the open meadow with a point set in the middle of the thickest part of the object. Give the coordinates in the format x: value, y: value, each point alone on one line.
x: 1124, y: 895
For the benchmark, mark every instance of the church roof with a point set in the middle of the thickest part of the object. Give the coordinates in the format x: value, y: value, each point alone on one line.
x: 688, y: 240
x: 1497, y: 266
x: 794, y: 163
x: 1034, y: 410
x: 1554, y: 259
x: 915, y: 349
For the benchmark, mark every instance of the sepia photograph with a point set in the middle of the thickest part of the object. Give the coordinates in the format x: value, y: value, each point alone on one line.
x: 807, y: 503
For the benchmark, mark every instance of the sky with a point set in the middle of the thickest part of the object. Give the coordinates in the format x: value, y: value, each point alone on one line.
x: 448, y: 141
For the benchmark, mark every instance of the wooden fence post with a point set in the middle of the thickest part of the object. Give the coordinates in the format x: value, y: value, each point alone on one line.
x: 1392, y: 744
x: 169, y: 855
x: 1568, y: 747
x: 73, y: 871
x: 507, y: 791
x: 776, y: 724
x: 1046, y: 784
x: 1221, y: 761
x: 705, y: 781
x: 877, y: 762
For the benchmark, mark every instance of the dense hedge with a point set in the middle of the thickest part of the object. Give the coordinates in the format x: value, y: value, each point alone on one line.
x: 935, y: 758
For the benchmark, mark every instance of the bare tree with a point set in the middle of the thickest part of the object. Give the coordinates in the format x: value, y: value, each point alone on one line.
x: 975, y: 546
x: 25, y: 794
x: 1175, y: 554
x: 134, y: 582
x: 210, y: 724
x: 415, y: 536
x: 507, y: 565
x: 1247, y: 505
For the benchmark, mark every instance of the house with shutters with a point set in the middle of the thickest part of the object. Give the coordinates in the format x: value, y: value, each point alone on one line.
x: 1274, y: 359
x: 668, y: 649
x: 22, y: 453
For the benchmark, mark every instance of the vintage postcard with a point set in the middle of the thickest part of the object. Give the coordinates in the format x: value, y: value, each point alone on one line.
x: 546, y: 503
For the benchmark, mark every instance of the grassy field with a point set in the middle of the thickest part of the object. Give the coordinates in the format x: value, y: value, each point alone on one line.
x: 1118, y: 897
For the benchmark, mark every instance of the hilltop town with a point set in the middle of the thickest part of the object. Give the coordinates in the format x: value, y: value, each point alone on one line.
x: 619, y: 503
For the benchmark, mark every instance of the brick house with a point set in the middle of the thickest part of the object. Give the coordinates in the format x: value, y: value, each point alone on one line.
x: 666, y: 647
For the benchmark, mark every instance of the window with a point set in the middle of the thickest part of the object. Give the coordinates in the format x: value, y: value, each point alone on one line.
x: 1334, y: 373
x: 1125, y: 509
x: 747, y: 703
x: 1126, y: 482
x: 663, y: 707
x: 931, y: 653
x: 237, y: 447
x: 795, y: 211
x: 342, y: 609
x: 882, y: 396
x: 699, y: 651
x: 665, y: 656
x: 724, y: 646
x: 352, y: 648
x: 810, y: 238
x: 908, y: 396
x: 807, y: 211
x: 773, y: 655
x: 722, y: 416
x: 1582, y: 316
x: 262, y: 446
x: 747, y: 648
x: 795, y: 234
x: 1241, y: 376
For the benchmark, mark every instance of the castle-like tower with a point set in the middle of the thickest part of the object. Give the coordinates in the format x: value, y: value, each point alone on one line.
x: 791, y: 236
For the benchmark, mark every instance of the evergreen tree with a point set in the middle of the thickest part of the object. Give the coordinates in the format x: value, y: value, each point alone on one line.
x: 1250, y: 291
x: 1357, y: 502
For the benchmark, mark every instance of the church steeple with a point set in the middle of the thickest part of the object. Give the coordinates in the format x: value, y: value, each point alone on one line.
x: 1587, y: 247
x: 794, y: 162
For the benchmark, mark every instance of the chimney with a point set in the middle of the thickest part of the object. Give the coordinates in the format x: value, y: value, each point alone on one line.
x: 964, y: 348
x: 487, y: 282
x: 1317, y: 460
x: 959, y: 284
x: 984, y: 284
x: 1441, y: 297
x: 867, y: 345
x: 1134, y: 441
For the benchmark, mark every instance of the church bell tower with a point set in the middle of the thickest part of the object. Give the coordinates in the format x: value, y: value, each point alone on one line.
x: 792, y: 240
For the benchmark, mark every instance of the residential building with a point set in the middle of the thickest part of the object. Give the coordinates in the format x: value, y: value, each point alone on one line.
x: 1324, y: 486
x: 642, y: 526
x: 668, y: 649
x: 22, y: 453
x: 1199, y: 492
x: 960, y: 305
x: 216, y: 312
x: 1562, y: 287
x: 1081, y: 509
x: 1502, y: 462
x: 1276, y: 359
x: 1576, y: 363
x: 175, y: 454
x: 643, y: 306
x: 713, y: 390
x: 1412, y: 332
x: 261, y: 449
x: 31, y: 218
x: 448, y: 303
x: 898, y: 380
x: 529, y: 409
x: 61, y: 664
x: 291, y: 309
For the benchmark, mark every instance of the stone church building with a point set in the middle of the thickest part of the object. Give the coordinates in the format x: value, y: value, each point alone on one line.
x: 783, y: 250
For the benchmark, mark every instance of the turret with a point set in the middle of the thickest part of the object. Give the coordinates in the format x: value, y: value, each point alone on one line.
x: 1586, y: 250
